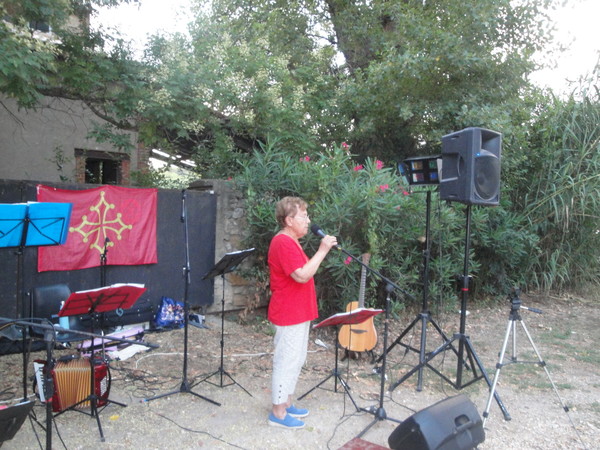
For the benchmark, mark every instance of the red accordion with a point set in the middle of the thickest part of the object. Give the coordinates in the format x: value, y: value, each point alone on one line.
x: 72, y: 383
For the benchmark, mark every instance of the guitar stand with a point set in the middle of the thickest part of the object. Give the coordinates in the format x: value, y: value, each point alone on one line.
x: 351, y: 354
x: 227, y: 264
x: 513, y: 318
x: 337, y: 377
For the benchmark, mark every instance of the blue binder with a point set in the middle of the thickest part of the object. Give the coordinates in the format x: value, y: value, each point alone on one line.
x: 34, y: 224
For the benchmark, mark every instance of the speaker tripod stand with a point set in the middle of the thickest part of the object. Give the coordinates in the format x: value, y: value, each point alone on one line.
x: 465, y: 347
x: 513, y: 318
x: 424, y: 317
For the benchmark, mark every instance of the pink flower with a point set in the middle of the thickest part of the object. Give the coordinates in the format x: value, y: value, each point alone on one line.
x: 305, y: 158
x: 356, y: 169
x: 344, y: 145
x: 403, y: 192
x: 379, y: 165
x: 348, y: 260
x: 383, y: 188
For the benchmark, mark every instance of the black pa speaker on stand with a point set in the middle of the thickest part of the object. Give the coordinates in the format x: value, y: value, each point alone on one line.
x: 471, y: 167
x: 451, y: 424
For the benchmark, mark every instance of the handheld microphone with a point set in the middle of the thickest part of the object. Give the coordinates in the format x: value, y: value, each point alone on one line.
x: 316, y: 229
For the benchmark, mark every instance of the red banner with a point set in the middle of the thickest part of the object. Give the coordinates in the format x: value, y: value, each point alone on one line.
x: 120, y: 220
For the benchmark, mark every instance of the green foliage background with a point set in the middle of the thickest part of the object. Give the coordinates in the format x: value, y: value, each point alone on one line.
x: 371, y: 210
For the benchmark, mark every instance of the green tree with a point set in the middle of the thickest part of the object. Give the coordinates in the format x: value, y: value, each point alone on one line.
x: 389, y: 77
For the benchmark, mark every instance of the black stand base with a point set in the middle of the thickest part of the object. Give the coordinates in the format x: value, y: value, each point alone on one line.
x: 185, y: 388
x: 424, y: 318
x: 337, y: 377
x: 222, y: 372
x: 474, y: 364
x: 379, y: 414
x: 94, y: 410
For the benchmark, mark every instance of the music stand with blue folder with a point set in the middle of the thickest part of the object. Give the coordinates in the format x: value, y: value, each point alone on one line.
x: 32, y: 224
x: 228, y: 263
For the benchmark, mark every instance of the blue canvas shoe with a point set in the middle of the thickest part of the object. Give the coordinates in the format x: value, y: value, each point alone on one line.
x: 289, y: 422
x: 297, y: 412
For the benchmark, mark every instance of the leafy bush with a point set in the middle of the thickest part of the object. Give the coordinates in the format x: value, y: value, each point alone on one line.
x: 372, y: 211
x: 562, y: 198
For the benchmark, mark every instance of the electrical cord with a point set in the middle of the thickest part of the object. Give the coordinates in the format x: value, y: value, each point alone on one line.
x: 191, y: 430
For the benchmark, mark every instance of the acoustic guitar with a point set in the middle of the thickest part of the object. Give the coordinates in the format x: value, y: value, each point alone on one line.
x: 360, y: 337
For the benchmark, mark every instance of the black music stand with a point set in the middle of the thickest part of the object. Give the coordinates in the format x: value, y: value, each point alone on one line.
x: 94, y: 302
x: 353, y: 317
x: 228, y: 263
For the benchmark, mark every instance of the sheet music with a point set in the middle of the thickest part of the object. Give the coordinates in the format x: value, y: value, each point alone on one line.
x: 116, y: 285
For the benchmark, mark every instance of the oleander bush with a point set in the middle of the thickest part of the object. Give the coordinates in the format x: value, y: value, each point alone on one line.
x: 371, y: 209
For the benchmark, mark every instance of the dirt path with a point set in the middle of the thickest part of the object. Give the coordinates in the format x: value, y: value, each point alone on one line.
x: 566, y: 335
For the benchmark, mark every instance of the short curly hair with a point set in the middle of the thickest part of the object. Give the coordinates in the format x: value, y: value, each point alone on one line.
x: 288, y: 206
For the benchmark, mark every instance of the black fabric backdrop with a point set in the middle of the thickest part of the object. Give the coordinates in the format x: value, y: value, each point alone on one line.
x: 166, y: 278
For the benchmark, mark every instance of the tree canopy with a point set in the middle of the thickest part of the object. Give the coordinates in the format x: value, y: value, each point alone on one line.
x: 389, y: 77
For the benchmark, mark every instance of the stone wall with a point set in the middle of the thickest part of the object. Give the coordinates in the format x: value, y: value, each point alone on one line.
x: 230, y: 226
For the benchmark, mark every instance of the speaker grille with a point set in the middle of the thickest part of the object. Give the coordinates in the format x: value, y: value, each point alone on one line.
x: 487, y: 175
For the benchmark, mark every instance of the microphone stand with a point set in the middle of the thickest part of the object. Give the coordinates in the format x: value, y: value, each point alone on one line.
x: 103, y: 262
x: 379, y: 411
x: 101, y: 316
x: 185, y: 386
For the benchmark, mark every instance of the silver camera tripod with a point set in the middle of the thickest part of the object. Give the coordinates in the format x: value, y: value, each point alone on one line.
x: 514, y: 316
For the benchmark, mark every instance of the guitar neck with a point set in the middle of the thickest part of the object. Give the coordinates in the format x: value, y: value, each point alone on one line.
x: 363, y: 280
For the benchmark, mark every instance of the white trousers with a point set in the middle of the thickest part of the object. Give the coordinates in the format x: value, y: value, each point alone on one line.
x: 291, y: 347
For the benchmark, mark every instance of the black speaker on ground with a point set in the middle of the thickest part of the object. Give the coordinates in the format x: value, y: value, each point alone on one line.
x: 451, y: 424
x: 471, y: 167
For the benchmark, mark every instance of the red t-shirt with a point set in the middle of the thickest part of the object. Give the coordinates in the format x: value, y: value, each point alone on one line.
x: 291, y: 302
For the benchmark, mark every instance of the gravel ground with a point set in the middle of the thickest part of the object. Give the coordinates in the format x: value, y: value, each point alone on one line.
x: 566, y: 335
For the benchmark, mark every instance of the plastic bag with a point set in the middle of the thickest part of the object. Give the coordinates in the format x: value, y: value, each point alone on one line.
x: 170, y: 314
